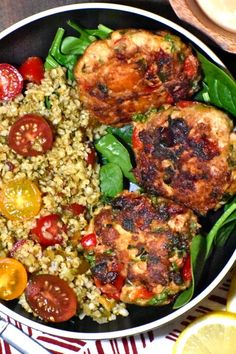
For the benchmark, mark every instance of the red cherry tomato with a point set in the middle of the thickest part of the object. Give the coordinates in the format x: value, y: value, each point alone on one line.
x: 32, y: 70
x: 89, y: 241
x: 11, y: 82
x: 91, y: 158
x: 30, y: 135
x: 48, y: 230
x: 136, y: 142
x: 51, y: 298
x: 187, y: 270
x: 75, y: 208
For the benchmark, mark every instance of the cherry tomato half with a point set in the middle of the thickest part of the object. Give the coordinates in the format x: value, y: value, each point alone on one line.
x: 20, y: 199
x: 187, y: 270
x: 11, y: 82
x: 89, y: 241
x: 51, y: 298
x: 49, y: 230
x: 32, y: 70
x: 30, y: 135
x: 13, y: 278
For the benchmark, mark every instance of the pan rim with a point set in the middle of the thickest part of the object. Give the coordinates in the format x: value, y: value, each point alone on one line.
x: 176, y: 314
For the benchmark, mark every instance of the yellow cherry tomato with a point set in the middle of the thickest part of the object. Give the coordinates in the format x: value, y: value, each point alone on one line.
x: 20, y: 199
x: 13, y: 278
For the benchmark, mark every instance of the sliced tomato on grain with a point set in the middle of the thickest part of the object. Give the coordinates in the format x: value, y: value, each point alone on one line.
x: 32, y: 69
x: 49, y: 230
x: 75, y: 208
x: 30, y: 135
x: 13, y: 278
x: 51, y: 298
x: 20, y: 199
x: 11, y: 82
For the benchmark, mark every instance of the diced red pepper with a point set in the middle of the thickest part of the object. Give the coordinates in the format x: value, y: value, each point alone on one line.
x: 89, y: 241
x: 136, y: 142
x: 191, y: 66
x: 183, y: 104
x: 75, y: 208
x: 187, y: 269
x: 143, y: 293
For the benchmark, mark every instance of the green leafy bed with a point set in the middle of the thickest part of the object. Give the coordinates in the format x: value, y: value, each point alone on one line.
x: 114, y: 148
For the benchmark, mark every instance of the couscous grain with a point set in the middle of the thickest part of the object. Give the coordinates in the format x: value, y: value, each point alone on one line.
x: 63, y: 177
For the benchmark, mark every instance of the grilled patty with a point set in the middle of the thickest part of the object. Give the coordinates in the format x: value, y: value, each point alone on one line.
x: 142, y: 248
x: 134, y: 70
x: 186, y: 153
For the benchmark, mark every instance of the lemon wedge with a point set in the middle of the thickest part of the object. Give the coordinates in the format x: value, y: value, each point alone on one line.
x: 214, y: 333
x: 231, y: 298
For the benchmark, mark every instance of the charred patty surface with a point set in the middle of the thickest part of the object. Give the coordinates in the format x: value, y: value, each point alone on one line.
x: 142, y: 247
x: 134, y: 70
x: 185, y: 153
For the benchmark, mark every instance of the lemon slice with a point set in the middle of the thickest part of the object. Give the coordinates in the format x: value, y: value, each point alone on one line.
x: 214, y: 333
x: 231, y: 298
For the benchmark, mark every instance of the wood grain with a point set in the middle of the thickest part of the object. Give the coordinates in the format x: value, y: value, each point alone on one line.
x: 190, y: 12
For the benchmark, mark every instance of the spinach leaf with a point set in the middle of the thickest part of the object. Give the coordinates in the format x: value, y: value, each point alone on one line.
x: 124, y: 133
x: 202, y: 246
x: 66, y: 51
x: 101, y: 32
x: 74, y: 45
x: 55, y: 57
x: 115, y: 152
x: 111, y: 180
x: 197, y: 253
x: 218, y: 86
x: 218, y: 227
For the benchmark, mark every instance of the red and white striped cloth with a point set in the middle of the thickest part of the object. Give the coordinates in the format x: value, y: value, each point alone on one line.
x: 160, y: 340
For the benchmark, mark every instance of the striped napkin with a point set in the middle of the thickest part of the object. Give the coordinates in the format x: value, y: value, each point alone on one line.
x: 161, y: 339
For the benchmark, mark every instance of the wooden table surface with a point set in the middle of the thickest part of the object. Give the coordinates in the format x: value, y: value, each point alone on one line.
x: 12, y: 11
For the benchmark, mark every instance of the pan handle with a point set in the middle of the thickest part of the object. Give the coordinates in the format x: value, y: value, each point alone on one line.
x: 20, y: 341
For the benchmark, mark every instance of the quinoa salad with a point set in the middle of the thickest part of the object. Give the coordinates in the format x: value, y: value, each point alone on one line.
x: 110, y: 162
x: 64, y: 177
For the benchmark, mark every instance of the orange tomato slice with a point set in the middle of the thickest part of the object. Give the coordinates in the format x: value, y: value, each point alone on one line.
x: 13, y: 278
x: 20, y: 199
